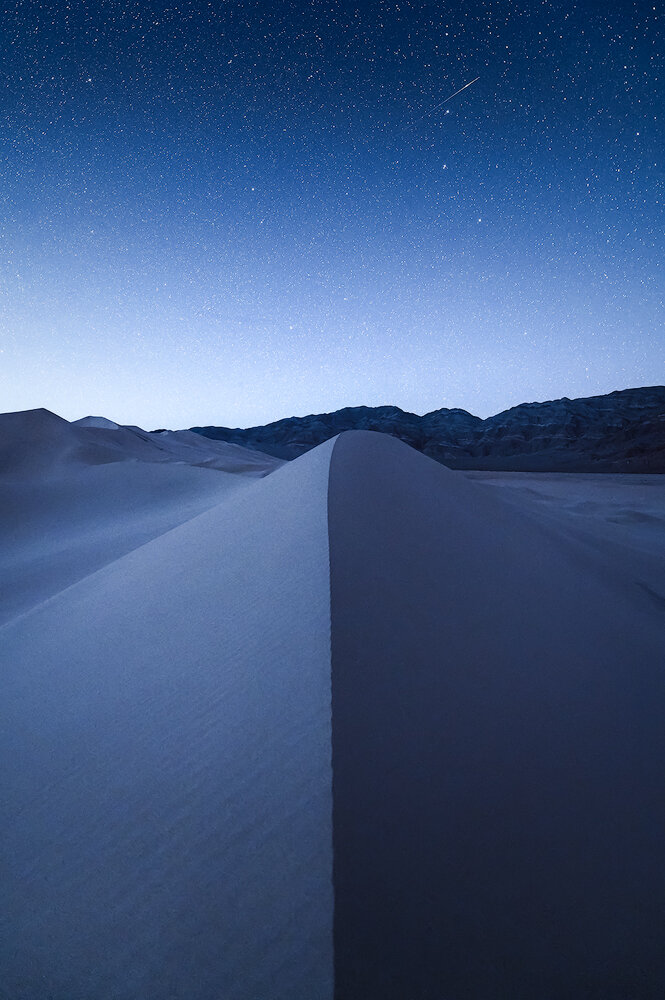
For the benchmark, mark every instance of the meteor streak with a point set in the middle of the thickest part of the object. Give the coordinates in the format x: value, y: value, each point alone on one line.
x: 435, y: 109
x: 455, y: 94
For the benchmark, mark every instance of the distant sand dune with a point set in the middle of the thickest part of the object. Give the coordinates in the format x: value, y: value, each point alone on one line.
x: 74, y: 498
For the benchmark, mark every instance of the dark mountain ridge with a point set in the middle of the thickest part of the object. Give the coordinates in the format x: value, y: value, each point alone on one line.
x: 623, y: 431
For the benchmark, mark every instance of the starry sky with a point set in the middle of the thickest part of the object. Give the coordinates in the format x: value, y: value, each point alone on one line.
x: 232, y: 212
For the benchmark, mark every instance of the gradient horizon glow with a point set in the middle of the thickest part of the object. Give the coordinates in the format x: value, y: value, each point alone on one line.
x: 228, y: 213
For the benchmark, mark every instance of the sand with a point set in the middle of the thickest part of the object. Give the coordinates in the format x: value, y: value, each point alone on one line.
x: 165, y: 747
x: 352, y: 726
x: 498, y: 742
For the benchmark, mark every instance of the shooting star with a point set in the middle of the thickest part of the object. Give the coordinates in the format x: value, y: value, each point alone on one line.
x: 435, y: 109
x: 456, y: 93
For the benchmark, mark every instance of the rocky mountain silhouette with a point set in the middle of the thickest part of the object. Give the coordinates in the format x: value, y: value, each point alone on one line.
x: 623, y: 431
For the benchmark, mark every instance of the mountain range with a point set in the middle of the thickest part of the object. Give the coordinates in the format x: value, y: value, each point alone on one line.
x: 622, y: 431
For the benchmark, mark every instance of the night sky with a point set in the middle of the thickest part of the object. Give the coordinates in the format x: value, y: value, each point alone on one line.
x: 227, y: 213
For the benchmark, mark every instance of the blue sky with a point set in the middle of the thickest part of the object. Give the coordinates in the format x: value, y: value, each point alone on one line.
x: 233, y: 212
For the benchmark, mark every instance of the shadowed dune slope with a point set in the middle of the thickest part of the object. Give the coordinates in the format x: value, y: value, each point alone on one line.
x: 165, y: 764
x: 498, y: 745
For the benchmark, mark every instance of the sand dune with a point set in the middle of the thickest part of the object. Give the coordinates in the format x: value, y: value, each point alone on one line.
x: 498, y: 743
x: 477, y: 815
x: 166, y: 763
x: 39, y: 443
x: 74, y: 498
